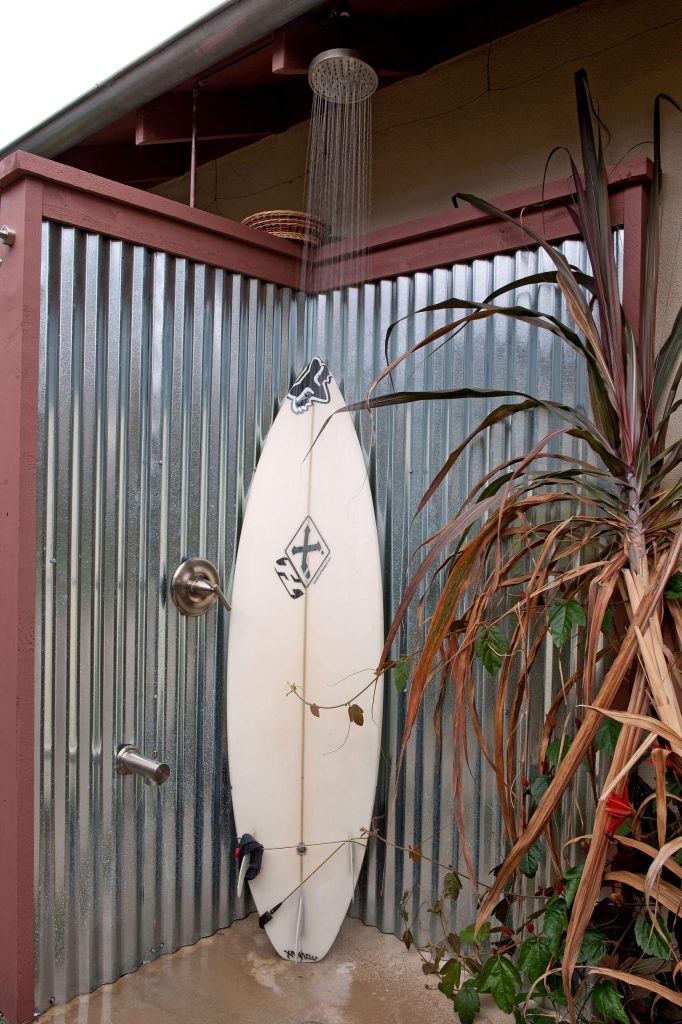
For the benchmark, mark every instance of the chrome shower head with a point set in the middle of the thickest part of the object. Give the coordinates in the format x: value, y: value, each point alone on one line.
x: 342, y: 76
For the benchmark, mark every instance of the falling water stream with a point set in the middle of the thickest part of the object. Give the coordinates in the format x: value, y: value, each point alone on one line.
x: 339, y: 167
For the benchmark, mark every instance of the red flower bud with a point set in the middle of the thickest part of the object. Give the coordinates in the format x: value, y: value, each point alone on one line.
x: 619, y: 808
x: 530, y: 927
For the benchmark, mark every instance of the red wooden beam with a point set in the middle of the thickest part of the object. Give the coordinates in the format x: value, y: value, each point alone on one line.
x: 21, y: 209
x: 467, y: 233
x: 220, y: 115
x: 144, y: 167
x: 387, y: 45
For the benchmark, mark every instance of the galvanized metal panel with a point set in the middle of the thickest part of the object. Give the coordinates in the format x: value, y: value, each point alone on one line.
x: 159, y: 380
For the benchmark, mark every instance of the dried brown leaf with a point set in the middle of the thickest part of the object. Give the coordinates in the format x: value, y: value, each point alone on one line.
x: 356, y: 714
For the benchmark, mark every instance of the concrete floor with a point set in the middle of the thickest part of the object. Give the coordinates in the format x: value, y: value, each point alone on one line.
x: 235, y: 976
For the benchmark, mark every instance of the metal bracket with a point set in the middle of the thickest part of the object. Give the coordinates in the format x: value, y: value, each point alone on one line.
x: 8, y: 236
x: 195, y: 587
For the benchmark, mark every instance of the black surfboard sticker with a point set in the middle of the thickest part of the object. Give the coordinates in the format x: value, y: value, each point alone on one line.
x: 304, y: 558
x: 312, y: 385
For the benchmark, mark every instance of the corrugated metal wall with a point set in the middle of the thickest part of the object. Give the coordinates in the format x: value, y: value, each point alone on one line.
x: 159, y: 381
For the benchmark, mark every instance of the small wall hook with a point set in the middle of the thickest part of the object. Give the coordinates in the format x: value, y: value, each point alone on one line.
x: 7, y: 235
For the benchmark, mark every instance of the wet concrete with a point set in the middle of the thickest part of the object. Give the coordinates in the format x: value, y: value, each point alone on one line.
x: 236, y: 976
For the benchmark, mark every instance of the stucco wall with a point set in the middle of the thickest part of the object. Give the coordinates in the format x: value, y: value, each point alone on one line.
x: 485, y: 123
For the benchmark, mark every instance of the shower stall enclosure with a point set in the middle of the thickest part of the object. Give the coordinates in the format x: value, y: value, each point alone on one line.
x: 146, y: 347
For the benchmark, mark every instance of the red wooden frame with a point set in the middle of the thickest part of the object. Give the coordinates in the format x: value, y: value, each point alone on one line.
x: 33, y: 189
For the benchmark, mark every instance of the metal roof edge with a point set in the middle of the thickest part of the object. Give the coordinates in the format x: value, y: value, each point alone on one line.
x: 205, y: 42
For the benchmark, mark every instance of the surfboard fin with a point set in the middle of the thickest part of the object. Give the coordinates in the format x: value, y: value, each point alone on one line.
x: 249, y: 856
x: 244, y: 867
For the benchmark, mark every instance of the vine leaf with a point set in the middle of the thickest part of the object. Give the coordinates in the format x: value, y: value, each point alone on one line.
x: 501, y: 978
x: 356, y: 714
x: 556, y: 918
x: 649, y: 939
x: 530, y: 863
x: 609, y: 1002
x: 607, y: 736
x: 674, y: 587
x: 407, y: 938
x: 452, y: 885
x: 471, y: 936
x: 563, y: 616
x: 535, y: 955
x: 400, y: 674
x: 451, y: 975
x: 467, y: 1003
x: 491, y: 646
x: 314, y: 710
x: 593, y: 947
x: 538, y: 787
x: 572, y: 878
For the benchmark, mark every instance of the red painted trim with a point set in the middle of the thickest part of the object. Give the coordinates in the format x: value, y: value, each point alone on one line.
x: 20, y: 208
x: 96, y: 204
x: 635, y: 214
x: 467, y: 233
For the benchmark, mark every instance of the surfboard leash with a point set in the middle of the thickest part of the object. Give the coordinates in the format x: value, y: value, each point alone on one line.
x: 269, y: 914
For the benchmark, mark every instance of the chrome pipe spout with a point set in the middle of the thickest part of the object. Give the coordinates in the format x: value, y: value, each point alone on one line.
x: 129, y: 761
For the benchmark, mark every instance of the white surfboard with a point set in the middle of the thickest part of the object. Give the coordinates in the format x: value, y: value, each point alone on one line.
x: 306, y: 612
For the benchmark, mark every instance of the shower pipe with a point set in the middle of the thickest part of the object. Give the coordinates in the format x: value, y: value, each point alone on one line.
x: 33, y: 189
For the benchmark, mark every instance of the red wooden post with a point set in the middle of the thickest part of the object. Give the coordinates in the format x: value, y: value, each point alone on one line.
x: 635, y: 213
x: 20, y: 209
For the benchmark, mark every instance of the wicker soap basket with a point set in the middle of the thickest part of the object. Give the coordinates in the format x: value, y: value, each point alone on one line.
x: 289, y: 224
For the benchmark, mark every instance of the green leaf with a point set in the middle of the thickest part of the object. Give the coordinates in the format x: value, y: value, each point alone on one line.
x: 491, y: 646
x: 555, y: 920
x: 593, y: 947
x: 501, y: 978
x: 607, y: 736
x: 401, y: 674
x: 467, y: 1002
x: 539, y: 787
x: 529, y: 864
x: 607, y: 621
x: 649, y: 939
x: 572, y: 879
x: 452, y: 885
x: 563, y: 616
x: 450, y: 975
x: 674, y: 587
x: 608, y: 1002
x: 535, y: 955
x: 557, y: 750
x: 468, y: 935
x: 556, y: 991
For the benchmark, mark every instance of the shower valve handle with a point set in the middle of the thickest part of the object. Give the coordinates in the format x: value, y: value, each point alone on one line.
x: 195, y: 587
x: 201, y: 587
